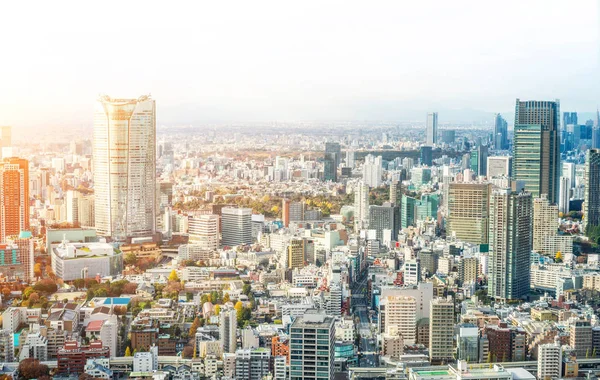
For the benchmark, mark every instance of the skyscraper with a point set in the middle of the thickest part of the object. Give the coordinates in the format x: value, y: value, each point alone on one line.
x: 510, y: 239
x: 125, y: 167
x: 312, y: 346
x: 591, y: 211
x: 361, y: 205
x: 236, y: 226
x: 536, y: 147
x: 596, y: 132
x: 426, y: 155
x: 564, y: 195
x: 396, y: 193
x: 384, y: 217
x: 479, y: 158
x: 14, y: 197
x: 295, y: 253
x: 329, y: 167
x: 431, y: 128
x: 468, y: 211
x: 500, y: 133
x: 373, y: 170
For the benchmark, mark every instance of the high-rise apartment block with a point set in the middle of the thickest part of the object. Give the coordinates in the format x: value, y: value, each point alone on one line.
x: 373, y: 170
x: 312, y: 346
x: 236, y: 226
x: 441, y: 330
x: 468, y: 211
x: 510, y: 243
x: 361, y: 205
x: 431, y: 128
x: 125, y: 167
x: 545, y: 221
x: 549, y: 363
x: 14, y: 197
x: 228, y: 329
x: 536, y: 159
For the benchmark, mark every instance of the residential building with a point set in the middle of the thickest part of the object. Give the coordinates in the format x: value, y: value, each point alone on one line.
x: 549, y: 360
x: 510, y: 243
x: 441, y: 327
x: 580, y: 338
x: 14, y: 197
x: 398, y: 315
x: 545, y: 221
x: 361, y: 205
x: 228, y: 329
x: 312, y: 346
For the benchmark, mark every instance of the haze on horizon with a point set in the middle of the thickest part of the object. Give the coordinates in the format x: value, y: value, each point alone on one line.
x: 311, y: 60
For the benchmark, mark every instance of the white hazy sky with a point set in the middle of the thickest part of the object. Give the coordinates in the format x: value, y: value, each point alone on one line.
x: 305, y: 60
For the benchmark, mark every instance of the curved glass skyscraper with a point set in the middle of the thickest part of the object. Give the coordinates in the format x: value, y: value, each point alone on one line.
x: 125, y: 167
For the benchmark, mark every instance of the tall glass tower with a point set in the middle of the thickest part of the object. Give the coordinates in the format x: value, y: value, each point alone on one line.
x: 431, y: 128
x: 125, y: 167
x: 536, y: 147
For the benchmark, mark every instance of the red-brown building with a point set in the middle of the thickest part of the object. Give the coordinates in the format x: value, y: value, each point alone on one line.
x: 14, y: 196
x: 279, y: 348
x: 71, y: 358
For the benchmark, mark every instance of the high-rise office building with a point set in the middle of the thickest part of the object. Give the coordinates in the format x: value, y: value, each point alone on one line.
x: 228, y: 329
x: 431, y: 127
x: 479, y: 158
x: 448, y: 136
x: 312, y: 346
x: 426, y: 155
x: 536, y: 159
x: 361, y: 205
x: 373, y: 170
x: 203, y: 230
x: 14, y: 197
x: 500, y: 133
x: 549, y: 362
x: 384, y: 217
x: 329, y: 168
x: 510, y: 243
x: 468, y: 211
x: 591, y: 209
x: 569, y: 118
x: 350, y: 158
x: 545, y: 221
x: 564, y: 195
x: 285, y: 212
x: 499, y: 166
x: 125, y: 167
x: 467, y: 342
x: 407, y: 211
x: 335, y: 149
x: 396, y: 193
x: 236, y: 226
x: 441, y: 330
x: 295, y: 253
x: 596, y: 132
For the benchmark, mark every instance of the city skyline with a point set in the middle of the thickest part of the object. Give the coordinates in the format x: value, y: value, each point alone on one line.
x: 355, y: 63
